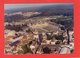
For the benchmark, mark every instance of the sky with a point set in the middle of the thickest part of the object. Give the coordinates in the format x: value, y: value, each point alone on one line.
x: 12, y: 6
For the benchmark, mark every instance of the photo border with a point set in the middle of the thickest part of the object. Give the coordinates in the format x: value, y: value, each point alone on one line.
x: 76, y: 29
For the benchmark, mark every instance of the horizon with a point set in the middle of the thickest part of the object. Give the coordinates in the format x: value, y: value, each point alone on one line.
x: 14, y: 6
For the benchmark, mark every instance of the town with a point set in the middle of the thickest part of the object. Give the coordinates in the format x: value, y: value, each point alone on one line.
x: 34, y: 33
